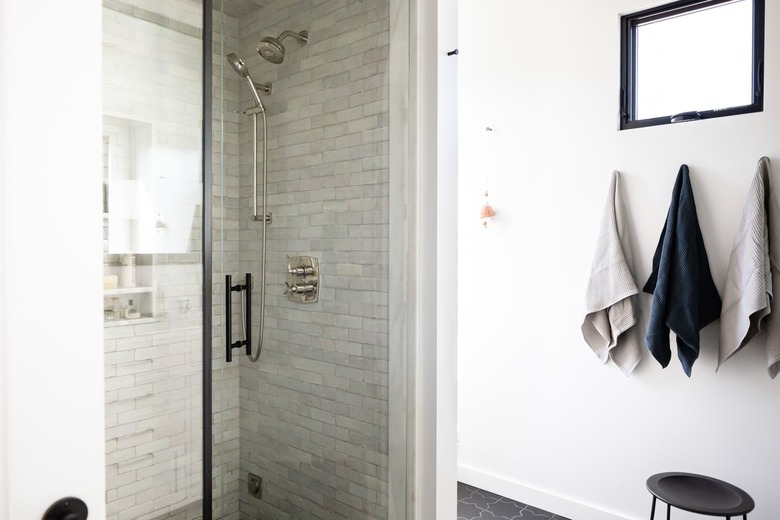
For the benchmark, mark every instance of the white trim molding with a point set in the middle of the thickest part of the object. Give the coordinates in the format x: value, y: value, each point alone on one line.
x: 529, y: 495
x: 402, y: 304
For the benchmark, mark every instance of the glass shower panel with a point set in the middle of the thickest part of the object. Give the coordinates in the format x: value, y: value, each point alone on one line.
x: 153, y: 262
x: 225, y: 247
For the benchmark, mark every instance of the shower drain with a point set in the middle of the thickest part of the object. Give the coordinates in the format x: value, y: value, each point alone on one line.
x: 255, y: 486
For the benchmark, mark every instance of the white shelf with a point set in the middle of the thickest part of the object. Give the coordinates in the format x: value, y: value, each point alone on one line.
x: 127, y: 290
x: 142, y: 297
x: 133, y: 321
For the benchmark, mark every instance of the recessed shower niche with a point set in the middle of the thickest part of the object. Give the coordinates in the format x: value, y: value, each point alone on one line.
x: 151, y: 192
x: 128, y: 289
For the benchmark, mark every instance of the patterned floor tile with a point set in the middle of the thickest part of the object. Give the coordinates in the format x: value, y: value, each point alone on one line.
x: 478, y: 504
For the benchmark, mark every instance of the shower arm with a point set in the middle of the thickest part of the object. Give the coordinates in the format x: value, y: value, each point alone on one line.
x: 302, y: 38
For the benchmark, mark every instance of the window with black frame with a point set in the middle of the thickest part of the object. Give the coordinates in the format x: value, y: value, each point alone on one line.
x: 691, y: 60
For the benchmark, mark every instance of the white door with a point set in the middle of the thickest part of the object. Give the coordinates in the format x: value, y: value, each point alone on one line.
x: 51, y: 354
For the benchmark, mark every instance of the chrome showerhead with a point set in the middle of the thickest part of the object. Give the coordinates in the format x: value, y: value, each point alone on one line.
x: 272, y: 50
x: 240, y: 67
x: 238, y: 64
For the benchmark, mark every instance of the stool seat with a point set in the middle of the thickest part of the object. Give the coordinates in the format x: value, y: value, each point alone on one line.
x: 699, y: 494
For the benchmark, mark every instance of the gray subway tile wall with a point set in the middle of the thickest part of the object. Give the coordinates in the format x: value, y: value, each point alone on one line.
x: 314, y: 411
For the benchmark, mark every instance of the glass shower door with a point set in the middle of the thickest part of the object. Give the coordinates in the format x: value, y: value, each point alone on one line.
x: 225, y: 247
x: 153, y: 258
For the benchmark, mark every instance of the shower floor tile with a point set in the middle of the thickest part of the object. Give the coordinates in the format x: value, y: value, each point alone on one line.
x: 478, y: 504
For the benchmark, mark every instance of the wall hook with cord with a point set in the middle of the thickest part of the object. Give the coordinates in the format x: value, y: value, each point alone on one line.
x: 486, y: 211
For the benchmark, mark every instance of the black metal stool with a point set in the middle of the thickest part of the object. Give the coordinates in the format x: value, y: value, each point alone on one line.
x: 699, y: 494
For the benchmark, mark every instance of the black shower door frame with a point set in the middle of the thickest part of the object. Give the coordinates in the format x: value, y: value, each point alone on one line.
x: 207, y: 257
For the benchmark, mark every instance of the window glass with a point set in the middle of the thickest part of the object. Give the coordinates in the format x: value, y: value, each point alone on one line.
x: 695, y: 57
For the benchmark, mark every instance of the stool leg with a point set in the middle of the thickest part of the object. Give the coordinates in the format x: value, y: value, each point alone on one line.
x: 652, y: 511
x: 668, y: 511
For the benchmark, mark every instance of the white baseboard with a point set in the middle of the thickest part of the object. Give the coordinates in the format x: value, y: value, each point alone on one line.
x: 532, y: 496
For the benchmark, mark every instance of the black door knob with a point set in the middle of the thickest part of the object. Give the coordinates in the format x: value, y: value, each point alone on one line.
x: 69, y: 508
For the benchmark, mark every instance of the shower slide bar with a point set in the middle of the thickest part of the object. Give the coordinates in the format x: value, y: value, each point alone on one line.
x: 247, y: 342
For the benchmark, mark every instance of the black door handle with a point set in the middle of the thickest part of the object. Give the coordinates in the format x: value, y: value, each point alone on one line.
x: 69, y: 508
x: 247, y: 342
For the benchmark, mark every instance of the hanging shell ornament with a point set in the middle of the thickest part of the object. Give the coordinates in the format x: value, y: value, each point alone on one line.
x: 486, y: 211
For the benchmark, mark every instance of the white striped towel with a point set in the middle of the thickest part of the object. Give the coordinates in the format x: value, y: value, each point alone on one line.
x: 753, y: 277
x: 612, y: 311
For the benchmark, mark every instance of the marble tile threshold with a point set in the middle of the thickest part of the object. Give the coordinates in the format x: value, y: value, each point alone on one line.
x: 473, y: 504
x: 478, y: 504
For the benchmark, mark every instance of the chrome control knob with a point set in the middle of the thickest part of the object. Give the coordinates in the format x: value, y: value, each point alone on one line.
x: 304, y: 288
x: 301, y: 270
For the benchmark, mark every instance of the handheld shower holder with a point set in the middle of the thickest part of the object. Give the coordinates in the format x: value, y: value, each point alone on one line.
x: 301, y: 37
x: 269, y: 218
x: 264, y: 88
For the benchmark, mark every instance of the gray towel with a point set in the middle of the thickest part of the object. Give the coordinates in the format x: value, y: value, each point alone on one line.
x: 612, y: 310
x: 753, y: 277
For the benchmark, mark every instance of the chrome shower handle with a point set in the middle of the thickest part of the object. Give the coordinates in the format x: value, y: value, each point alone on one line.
x: 303, y: 288
x: 301, y: 270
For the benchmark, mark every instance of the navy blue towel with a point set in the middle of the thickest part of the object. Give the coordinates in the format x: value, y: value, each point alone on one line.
x: 685, y: 298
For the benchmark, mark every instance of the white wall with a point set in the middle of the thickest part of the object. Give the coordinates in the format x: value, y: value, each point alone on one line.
x: 540, y: 418
x: 50, y: 271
